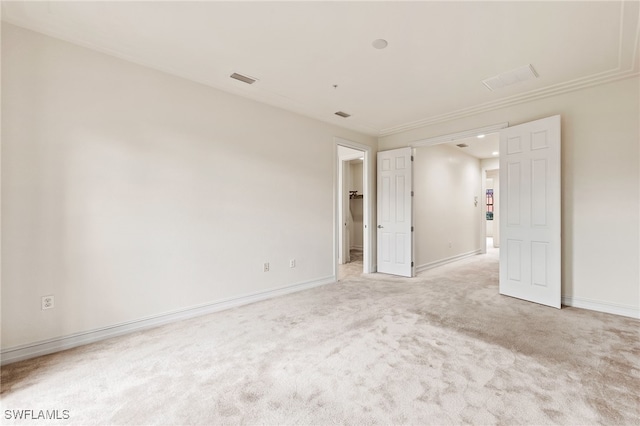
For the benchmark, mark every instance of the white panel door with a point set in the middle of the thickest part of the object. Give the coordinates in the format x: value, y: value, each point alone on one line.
x: 530, y: 245
x: 395, y: 212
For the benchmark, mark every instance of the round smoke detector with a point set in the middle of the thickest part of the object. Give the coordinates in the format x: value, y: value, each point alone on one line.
x: 379, y: 43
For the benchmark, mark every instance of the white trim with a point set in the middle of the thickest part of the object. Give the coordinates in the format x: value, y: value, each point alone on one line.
x: 606, y: 307
x: 44, y: 347
x: 414, y: 155
x: 459, y: 135
x: 447, y: 260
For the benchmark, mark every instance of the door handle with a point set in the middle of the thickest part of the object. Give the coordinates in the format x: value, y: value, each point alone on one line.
x: 380, y: 226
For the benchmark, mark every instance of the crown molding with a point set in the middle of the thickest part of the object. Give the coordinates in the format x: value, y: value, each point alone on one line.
x: 546, y: 92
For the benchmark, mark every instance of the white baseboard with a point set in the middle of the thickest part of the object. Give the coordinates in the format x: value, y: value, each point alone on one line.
x: 44, y: 347
x: 435, y: 264
x: 596, y: 305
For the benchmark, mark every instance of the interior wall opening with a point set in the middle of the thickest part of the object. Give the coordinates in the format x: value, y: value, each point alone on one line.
x: 353, y: 212
x: 456, y: 211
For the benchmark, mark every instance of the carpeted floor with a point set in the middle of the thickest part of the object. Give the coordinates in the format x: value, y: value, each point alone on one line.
x: 352, y: 269
x: 441, y: 348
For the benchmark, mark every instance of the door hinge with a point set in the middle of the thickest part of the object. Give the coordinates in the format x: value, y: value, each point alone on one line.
x: 412, y: 193
x: 412, y: 158
x: 412, y: 229
x: 412, y: 264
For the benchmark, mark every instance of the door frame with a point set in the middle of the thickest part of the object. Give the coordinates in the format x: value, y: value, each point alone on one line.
x: 344, y: 184
x: 368, y: 186
x: 496, y: 208
x: 450, y: 137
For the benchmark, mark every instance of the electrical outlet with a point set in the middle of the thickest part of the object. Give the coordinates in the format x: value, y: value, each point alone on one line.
x: 292, y: 263
x: 48, y: 302
x: 266, y: 266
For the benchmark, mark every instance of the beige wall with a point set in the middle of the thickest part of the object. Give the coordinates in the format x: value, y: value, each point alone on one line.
x: 447, y: 222
x: 356, y: 205
x: 129, y: 193
x: 356, y: 183
x: 600, y: 187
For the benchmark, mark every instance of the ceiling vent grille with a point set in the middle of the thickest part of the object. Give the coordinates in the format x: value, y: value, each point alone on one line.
x: 343, y: 114
x: 243, y: 78
x: 508, y: 78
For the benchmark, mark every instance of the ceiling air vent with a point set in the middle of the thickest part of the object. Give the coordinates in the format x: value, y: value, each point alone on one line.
x: 508, y: 78
x: 462, y: 145
x: 343, y: 114
x: 243, y: 78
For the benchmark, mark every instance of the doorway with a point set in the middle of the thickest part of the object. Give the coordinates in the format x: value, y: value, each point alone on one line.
x: 492, y: 201
x: 353, y: 239
x: 454, y: 212
x: 530, y: 230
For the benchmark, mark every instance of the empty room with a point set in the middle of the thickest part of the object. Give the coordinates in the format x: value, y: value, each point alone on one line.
x: 279, y: 212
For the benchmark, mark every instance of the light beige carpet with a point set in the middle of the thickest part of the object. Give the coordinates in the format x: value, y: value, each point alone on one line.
x: 442, y: 348
x: 353, y: 268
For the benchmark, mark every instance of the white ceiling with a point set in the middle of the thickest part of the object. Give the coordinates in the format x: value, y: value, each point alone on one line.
x: 479, y: 147
x: 431, y: 71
